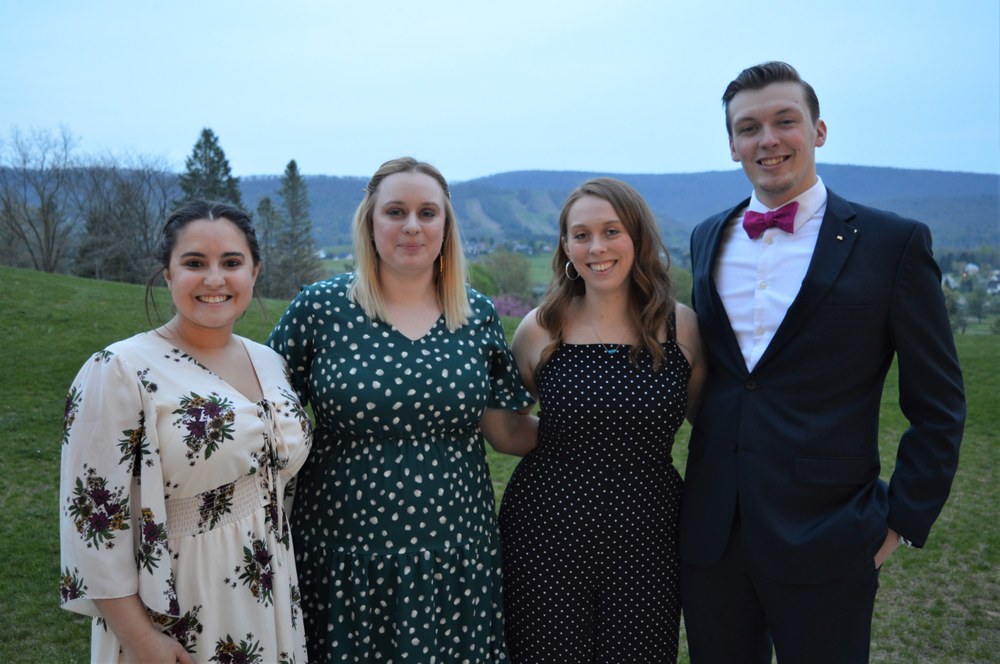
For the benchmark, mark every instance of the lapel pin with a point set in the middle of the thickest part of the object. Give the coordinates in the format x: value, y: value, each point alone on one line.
x: 840, y: 237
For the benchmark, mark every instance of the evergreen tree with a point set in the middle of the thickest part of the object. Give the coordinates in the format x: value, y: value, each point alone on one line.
x: 208, y: 175
x: 296, y: 262
x: 268, y: 223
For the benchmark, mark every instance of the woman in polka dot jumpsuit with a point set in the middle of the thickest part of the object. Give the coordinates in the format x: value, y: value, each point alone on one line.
x: 589, y: 519
x: 394, y: 523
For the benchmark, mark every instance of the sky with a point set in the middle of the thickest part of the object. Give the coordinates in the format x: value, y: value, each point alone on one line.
x: 479, y: 87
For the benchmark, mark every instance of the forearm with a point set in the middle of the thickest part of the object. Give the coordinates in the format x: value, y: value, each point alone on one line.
x: 510, y: 432
x: 141, y: 641
x: 126, y: 616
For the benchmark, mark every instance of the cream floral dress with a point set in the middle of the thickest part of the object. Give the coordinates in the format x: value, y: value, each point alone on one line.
x: 172, y: 487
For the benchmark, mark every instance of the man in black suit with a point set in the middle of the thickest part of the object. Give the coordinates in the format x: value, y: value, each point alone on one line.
x: 785, y: 522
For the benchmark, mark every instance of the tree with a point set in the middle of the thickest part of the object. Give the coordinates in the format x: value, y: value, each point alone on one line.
x: 208, y: 175
x: 36, y: 177
x: 680, y: 279
x: 122, y: 203
x: 510, y: 271
x: 978, y: 301
x: 267, y: 223
x: 482, y: 279
x: 956, y: 310
x: 295, y: 260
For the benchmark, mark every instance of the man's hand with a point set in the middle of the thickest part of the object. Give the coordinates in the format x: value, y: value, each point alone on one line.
x: 890, y: 544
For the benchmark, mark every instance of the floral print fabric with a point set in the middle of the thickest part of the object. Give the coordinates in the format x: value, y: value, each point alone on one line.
x: 172, y: 487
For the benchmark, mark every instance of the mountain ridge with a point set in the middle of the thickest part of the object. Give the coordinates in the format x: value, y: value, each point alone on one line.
x: 962, y: 209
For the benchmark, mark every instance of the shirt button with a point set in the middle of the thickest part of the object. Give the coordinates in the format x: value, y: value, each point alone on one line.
x: 759, y: 332
x: 762, y: 285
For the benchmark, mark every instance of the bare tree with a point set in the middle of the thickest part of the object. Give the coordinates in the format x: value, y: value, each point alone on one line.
x: 123, y: 202
x: 36, y: 175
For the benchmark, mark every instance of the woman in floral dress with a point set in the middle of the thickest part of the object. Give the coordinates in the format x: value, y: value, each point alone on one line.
x: 177, y: 446
x: 405, y: 369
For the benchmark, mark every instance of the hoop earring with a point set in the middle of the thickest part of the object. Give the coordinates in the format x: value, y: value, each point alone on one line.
x: 569, y: 264
x: 440, y: 263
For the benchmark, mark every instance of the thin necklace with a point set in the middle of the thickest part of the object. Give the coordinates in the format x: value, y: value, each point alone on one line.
x: 607, y: 349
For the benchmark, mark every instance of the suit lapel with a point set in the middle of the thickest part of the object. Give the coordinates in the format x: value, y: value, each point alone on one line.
x: 710, y: 304
x: 834, y: 244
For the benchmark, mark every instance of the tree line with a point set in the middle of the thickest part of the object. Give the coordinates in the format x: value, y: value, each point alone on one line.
x: 100, y: 217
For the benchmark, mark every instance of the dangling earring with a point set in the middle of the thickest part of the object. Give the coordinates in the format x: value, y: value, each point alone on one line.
x: 440, y: 263
x: 569, y: 264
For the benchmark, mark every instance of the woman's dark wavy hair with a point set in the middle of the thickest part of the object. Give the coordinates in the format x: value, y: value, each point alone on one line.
x: 651, y: 299
x: 196, y: 210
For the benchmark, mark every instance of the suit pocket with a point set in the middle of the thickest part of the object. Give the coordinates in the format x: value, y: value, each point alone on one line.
x: 835, y: 471
x: 852, y: 312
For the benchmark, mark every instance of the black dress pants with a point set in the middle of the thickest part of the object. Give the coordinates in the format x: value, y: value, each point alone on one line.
x: 734, y: 614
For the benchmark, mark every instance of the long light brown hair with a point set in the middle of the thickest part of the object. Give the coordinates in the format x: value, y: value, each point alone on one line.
x: 650, y: 300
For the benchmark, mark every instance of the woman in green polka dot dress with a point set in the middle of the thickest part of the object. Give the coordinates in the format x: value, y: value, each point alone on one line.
x: 405, y: 367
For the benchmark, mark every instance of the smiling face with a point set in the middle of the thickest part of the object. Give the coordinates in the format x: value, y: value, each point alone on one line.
x: 598, y: 244
x: 211, y: 275
x: 774, y: 137
x: 408, y: 223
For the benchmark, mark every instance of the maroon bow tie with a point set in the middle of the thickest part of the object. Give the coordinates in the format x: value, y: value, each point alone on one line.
x: 755, y: 223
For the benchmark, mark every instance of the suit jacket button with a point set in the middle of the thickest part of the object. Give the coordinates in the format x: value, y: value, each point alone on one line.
x: 751, y: 385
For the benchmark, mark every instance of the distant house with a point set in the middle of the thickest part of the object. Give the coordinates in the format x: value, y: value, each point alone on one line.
x: 993, y: 285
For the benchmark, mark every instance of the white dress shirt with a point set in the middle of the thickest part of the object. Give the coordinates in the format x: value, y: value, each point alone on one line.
x: 758, y: 279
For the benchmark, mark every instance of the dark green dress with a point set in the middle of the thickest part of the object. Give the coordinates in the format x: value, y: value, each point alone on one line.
x: 395, y: 531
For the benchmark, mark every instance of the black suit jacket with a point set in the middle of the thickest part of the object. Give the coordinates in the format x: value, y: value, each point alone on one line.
x: 793, y: 444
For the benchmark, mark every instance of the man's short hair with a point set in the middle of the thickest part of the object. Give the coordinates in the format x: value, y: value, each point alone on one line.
x: 763, y: 75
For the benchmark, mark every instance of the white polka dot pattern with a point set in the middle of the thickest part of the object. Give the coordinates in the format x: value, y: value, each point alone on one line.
x: 394, y: 524
x: 589, y: 519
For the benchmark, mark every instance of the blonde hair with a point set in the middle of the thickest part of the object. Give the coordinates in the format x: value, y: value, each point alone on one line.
x: 449, y: 275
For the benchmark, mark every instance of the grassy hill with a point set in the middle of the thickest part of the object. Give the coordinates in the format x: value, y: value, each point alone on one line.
x: 941, y: 604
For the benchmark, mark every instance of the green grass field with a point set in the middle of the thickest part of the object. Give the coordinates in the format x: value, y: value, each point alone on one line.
x: 939, y: 604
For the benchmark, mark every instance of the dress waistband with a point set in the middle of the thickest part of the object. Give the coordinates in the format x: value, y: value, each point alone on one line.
x: 604, y: 466
x: 215, y: 508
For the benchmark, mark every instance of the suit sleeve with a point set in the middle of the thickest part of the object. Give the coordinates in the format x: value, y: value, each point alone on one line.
x: 931, y: 393
x: 694, y: 261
